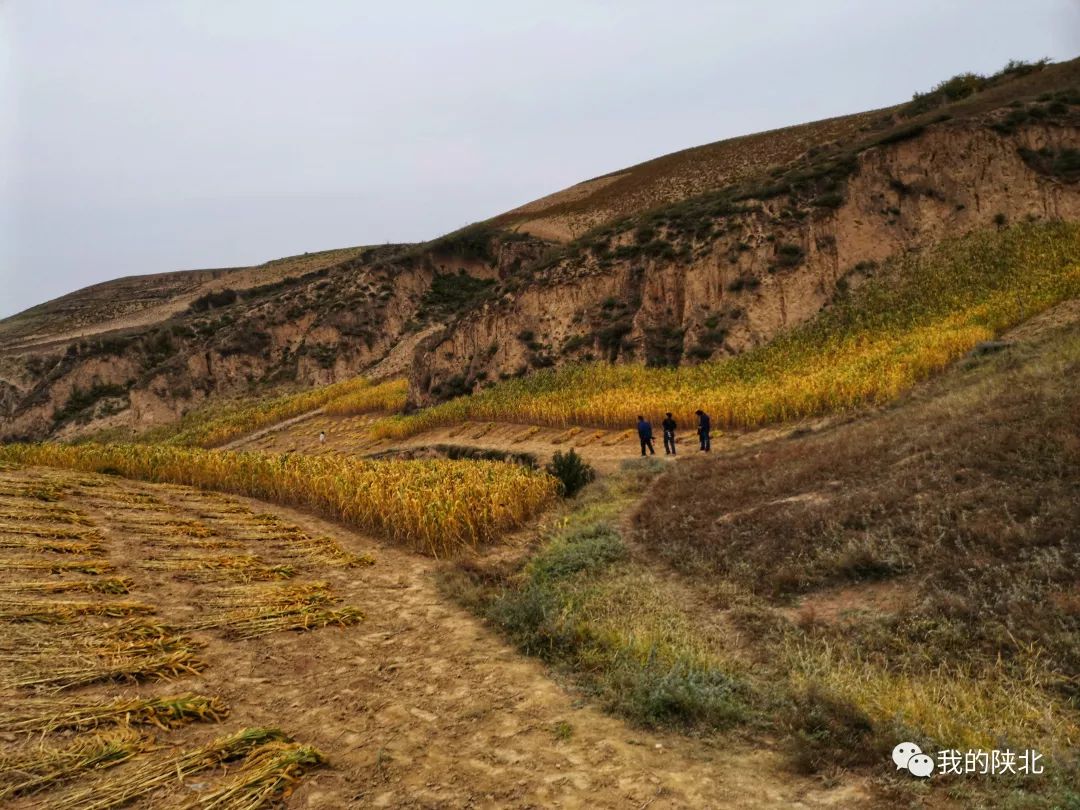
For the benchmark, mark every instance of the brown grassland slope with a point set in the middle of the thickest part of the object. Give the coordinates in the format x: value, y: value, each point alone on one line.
x: 572, y: 212
x: 907, y: 574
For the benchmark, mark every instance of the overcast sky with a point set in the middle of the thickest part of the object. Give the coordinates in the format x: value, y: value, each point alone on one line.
x: 139, y: 136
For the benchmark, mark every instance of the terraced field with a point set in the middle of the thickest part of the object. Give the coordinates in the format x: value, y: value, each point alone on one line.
x: 166, y: 647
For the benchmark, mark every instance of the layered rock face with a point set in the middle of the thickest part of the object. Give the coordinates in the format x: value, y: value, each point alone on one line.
x: 756, y: 271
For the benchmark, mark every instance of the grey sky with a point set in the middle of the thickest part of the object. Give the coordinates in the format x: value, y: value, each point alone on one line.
x: 141, y: 136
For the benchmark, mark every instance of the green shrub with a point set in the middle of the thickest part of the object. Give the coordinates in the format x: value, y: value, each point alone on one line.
x: 571, y: 470
x: 81, y: 400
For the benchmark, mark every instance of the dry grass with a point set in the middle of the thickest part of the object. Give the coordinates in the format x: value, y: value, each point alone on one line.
x: 47, y: 716
x: 36, y: 767
x: 66, y: 611
x: 52, y: 643
x: 71, y: 656
x: 113, y: 585
x: 50, y: 514
x: 52, y: 533
x: 116, y: 667
x: 92, y: 567
x: 964, y: 709
x: 38, y: 544
x: 583, y: 604
x: 918, y: 315
x: 245, y: 613
x: 158, y: 774
x: 268, y: 775
x: 228, y: 568
x: 966, y: 495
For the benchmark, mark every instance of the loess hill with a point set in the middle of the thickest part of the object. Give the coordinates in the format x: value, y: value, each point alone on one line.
x: 681, y: 262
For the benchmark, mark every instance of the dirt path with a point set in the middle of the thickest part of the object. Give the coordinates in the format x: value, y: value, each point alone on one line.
x: 604, y: 449
x: 425, y: 707
x: 418, y: 705
x: 285, y: 425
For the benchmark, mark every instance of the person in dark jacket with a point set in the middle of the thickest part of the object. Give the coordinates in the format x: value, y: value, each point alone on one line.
x: 704, y: 425
x: 644, y: 432
x: 669, y: 434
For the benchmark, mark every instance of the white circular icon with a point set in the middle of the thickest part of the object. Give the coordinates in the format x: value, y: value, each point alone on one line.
x: 920, y: 765
x: 904, y: 752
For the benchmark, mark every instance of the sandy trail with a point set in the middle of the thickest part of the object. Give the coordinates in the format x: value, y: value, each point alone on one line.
x: 420, y: 705
x: 604, y: 449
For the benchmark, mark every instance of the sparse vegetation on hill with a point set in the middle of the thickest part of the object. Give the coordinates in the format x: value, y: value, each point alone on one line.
x: 452, y: 293
x: 964, y: 85
x: 908, y: 575
x: 918, y: 314
x: 81, y: 401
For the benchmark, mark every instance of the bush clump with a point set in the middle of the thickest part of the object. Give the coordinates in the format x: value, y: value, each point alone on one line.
x: 572, y: 471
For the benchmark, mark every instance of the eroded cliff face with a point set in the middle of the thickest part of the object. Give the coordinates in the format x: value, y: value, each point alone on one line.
x: 744, y: 276
x: 349, y: 319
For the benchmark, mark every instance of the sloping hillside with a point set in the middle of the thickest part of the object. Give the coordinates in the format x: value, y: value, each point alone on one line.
x: 904, y: 574
x: 724, y: 271
x: 684, y: 260
x: 572, y: 212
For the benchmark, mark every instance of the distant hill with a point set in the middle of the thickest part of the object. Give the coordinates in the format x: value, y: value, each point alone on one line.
x: 136, y: 301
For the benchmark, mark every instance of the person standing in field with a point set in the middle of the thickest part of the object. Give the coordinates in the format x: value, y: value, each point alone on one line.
x: 644, y: 432
x: 322, y: 437
x: 669, y: 434
x: 704, y: 425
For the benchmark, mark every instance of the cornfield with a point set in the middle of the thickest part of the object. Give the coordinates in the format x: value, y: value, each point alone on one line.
x: 218, y: 424
x: 919, y: 314
x: 388, y: 396
x: 436, y: 506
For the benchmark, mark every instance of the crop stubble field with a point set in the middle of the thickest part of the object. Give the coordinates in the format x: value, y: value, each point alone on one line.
x: 112, y: 595
x: 219, y: 632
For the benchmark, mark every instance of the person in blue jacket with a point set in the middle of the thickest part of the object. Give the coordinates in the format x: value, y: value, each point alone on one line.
x: 644, y: 432
x: 704, y: 425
